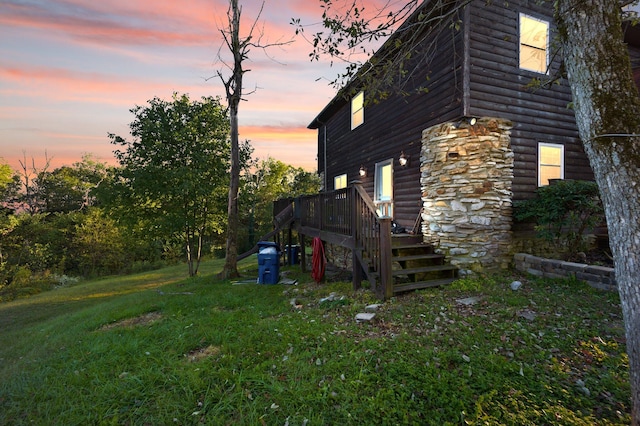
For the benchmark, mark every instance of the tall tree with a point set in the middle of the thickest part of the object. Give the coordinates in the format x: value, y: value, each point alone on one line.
x: 239, y: 47
x: 173, y: 172
x: 607, y: 111
x: 233, y: 89
x: 605, y: 100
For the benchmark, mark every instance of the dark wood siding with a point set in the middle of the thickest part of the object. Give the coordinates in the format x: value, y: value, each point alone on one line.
x: 394, y: 126
x: 499, y: 88
x: 474, y: 72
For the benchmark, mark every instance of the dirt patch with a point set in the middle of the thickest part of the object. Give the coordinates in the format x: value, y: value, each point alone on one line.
x: 145, y: 319
x: 201, y: 353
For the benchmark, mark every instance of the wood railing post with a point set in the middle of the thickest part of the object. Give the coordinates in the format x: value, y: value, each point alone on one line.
x: 356, y: 266
x: 386, y: 278
x: 303, y: 253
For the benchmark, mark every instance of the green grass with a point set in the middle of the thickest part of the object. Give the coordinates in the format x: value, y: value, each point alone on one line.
x: 155, y: 348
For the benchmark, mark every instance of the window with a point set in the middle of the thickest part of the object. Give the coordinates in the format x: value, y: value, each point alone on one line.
x: 357, y: 110
x: 550, y: 162
x: 534, y: 43
x: 340, y: 181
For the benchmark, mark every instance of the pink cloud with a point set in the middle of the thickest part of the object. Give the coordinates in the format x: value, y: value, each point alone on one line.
x: 113, y: 55
x: 57, y: 84
x: 280, y: 133
x: 156, y: 26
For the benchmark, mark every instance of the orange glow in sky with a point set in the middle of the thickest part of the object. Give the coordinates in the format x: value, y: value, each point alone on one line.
x: 72, y: 69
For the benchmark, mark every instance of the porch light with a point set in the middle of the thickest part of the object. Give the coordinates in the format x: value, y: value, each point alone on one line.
x: 403, y: 160
x: 469, y: 120
x: 362, y: 171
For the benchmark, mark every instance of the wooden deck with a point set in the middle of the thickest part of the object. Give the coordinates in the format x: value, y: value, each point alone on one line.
x: 391, y: 263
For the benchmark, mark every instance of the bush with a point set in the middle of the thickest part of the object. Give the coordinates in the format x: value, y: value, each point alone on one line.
x: 563, y: 212
x: 24, y: 282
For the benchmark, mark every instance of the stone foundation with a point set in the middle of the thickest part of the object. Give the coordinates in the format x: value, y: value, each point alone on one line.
x: 466, y: 178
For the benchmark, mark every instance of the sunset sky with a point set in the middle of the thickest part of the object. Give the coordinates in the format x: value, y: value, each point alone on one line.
x: 70, y: 71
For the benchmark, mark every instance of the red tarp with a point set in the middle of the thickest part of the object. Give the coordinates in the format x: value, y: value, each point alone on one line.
x: 319, y: 261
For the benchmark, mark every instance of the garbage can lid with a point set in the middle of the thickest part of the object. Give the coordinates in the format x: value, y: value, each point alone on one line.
x: 267, y: 244
x: 268, y: 250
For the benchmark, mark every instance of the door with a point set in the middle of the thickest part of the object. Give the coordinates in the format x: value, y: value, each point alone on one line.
x: 383, y: 188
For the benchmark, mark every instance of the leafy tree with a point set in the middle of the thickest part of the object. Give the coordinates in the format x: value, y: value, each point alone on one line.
x: 67, y: 188
x: 30, y: 241
x: 173, y: 172
x: 9, y: 186
x: 272, y: 180
x: 605, y: 99
x: 98, y: 244
x: 6, y: 175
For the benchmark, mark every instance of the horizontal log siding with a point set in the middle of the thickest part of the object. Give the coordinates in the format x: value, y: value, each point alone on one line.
x: 396, y: 125
x: 499, y: 89
x: 496, y: 88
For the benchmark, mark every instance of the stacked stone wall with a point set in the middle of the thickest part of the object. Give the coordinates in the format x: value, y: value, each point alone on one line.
x: 466, y: 179
x: 600, y: 277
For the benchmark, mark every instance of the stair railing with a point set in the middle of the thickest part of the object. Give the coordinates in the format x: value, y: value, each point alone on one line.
x: 348, y: 217
x: 372, y: 235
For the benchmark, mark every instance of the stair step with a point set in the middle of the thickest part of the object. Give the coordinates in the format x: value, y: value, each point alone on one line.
x: 406, y: 239
x: 410, y: 245
x: 420, y: 269
x: 417, y: 257
x: 422, y: 284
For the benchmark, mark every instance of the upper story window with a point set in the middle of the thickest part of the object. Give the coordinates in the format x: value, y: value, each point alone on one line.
x: 534, y: 44
x: 340, y: 181
x: 550, y: 162
x: 357, y: 110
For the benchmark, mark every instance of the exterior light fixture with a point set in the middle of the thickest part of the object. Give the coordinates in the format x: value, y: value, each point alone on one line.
x: 403, y: 160
x: 468, y: 120
x: 362, y: 171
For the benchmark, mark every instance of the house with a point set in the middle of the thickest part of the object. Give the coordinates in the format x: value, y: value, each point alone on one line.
x: 471, y: 133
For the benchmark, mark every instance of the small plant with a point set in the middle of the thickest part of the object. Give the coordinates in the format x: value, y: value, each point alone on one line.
x: 563, y: 212
x: 64, y: 280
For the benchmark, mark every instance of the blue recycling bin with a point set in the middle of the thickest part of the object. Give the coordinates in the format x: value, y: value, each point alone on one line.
x: 268, y: 263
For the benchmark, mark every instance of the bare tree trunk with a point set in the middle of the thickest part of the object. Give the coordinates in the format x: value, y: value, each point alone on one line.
x: 188, y: 240
x: 230, y: 269
x: 607, y: 111
x: 233, y: 88
x: 239, y: 48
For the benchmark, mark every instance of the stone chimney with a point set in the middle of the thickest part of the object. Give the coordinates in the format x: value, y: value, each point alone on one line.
x: 466, y: 178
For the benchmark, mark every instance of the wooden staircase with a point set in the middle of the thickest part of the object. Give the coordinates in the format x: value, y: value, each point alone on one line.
x: 392, y: 263
x: 416, y: 266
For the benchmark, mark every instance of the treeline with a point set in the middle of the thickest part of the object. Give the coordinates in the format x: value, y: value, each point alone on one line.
x: 164, y: 202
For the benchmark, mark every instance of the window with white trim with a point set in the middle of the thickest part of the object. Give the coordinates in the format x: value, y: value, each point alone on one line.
x: 340, y: 181
x: 550, y: 162
x: 534, y: 44
x: 357, y: 110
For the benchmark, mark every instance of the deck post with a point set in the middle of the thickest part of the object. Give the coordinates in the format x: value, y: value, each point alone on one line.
x: 356, y: 266
x: 357, y: 271
x: 386, y: 278
x: 303, y: 257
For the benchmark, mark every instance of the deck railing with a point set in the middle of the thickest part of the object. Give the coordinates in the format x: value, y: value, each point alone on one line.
x: 348, y: 217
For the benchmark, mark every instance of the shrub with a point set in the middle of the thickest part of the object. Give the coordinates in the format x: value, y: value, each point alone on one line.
x: 563, y: 212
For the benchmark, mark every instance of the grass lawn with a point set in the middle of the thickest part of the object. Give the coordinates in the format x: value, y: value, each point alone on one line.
x: 158, y: 349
